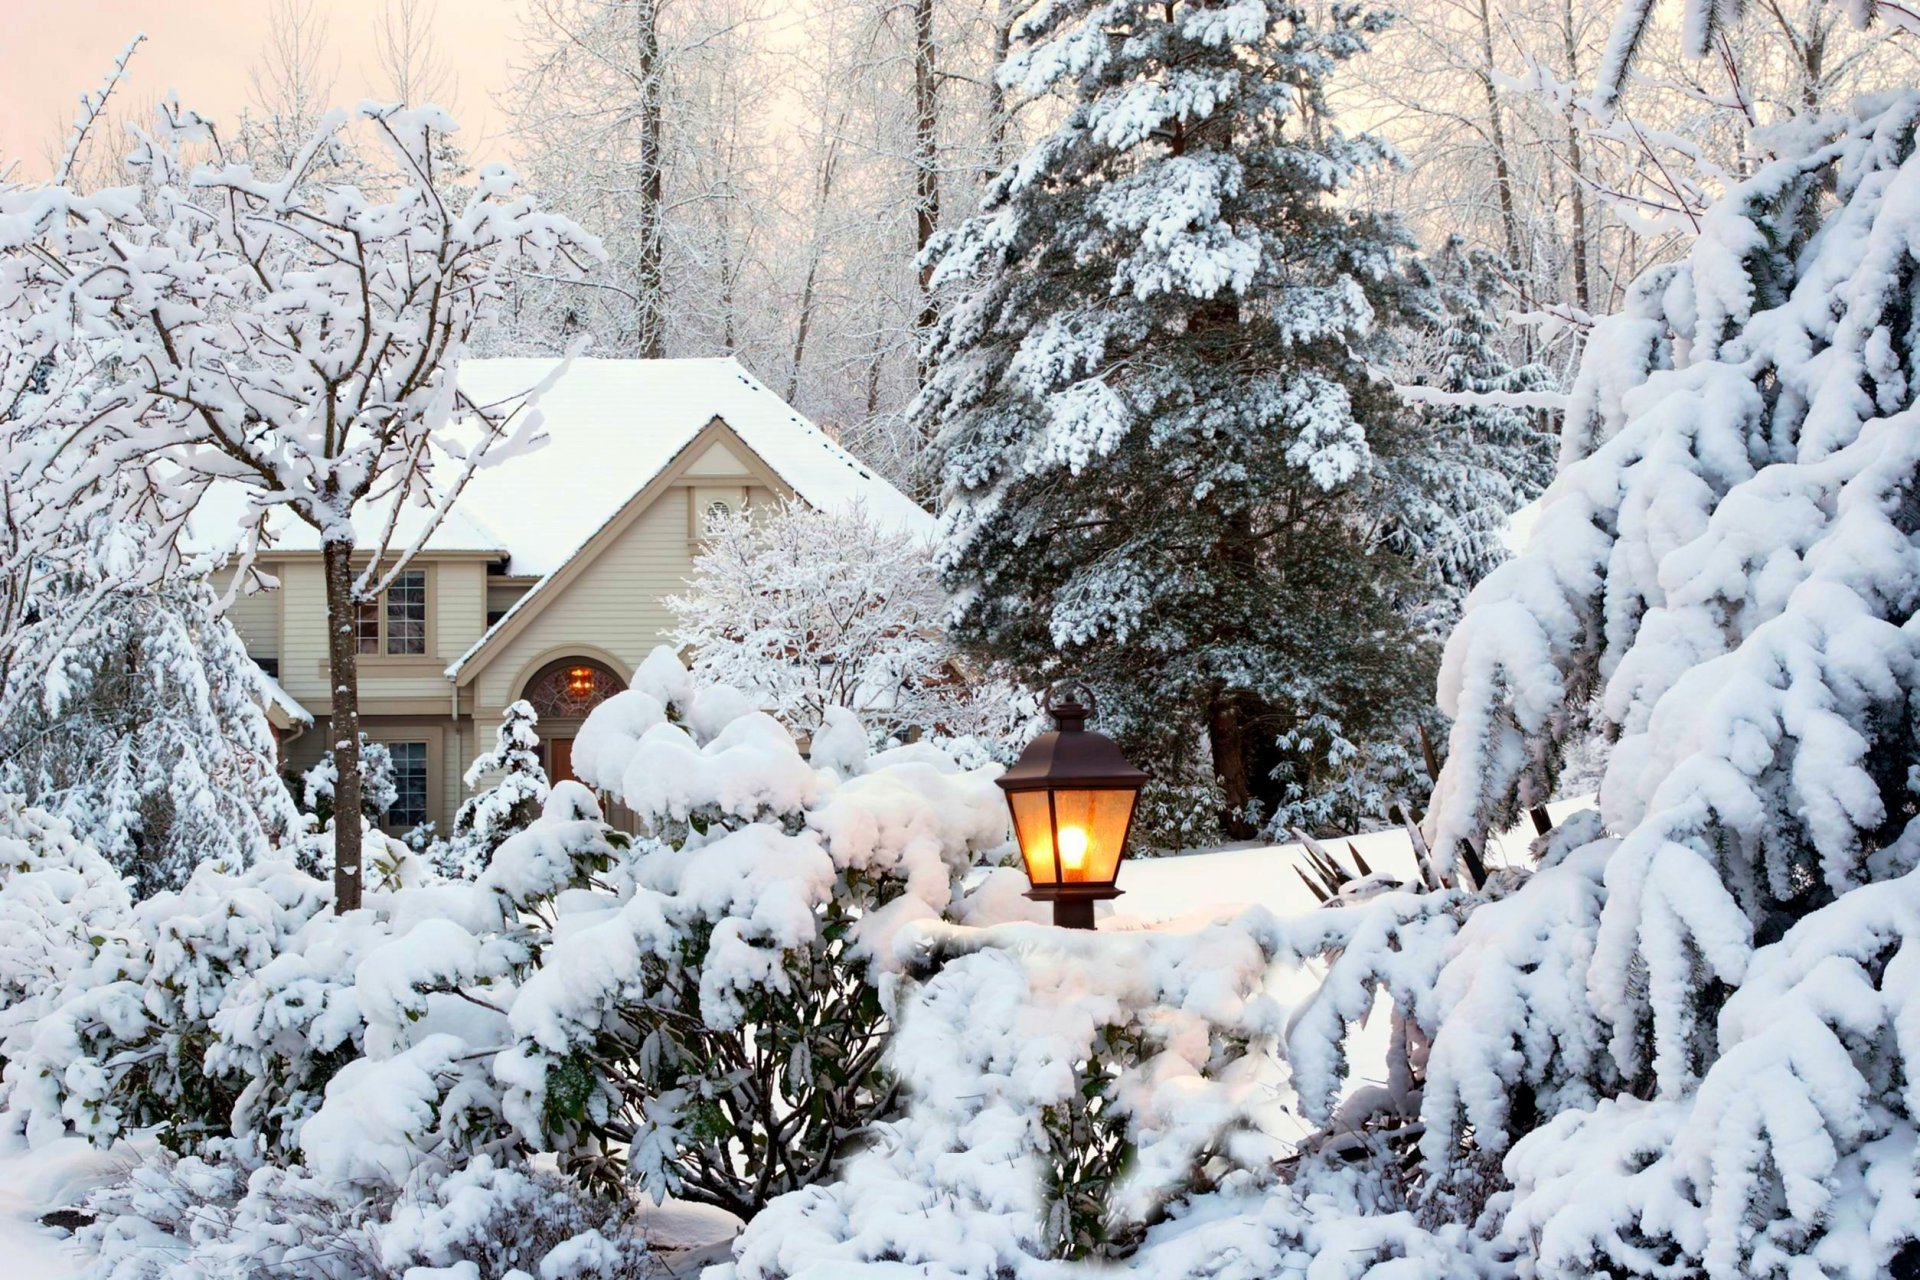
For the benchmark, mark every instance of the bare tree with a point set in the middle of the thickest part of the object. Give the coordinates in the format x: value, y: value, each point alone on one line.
x: 321, y: 388
x: 412, y: 66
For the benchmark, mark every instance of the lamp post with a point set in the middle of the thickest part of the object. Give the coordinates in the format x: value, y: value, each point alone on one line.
x: 1072, y: 797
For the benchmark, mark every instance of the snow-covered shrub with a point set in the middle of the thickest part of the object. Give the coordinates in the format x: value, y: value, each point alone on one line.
x: 806, y: 610
x: 1689, y: 1036
x: 226, y: 1216
x: 510, y: 804
x: 716, y: 1026
x: 131, y: 710
x: 1122, y: 1093
x: 377, y: 788
x: 63, y: 916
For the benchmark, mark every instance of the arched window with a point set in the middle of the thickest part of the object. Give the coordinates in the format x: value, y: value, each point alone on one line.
x: 570, y: 688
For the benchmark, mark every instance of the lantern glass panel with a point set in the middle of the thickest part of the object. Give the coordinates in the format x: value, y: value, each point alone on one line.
x: 1091, y: 827
x: 1034, y: 830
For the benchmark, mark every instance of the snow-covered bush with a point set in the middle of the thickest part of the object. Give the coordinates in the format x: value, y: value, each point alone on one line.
x: 226, y: 1216
x: 514, y: 800
x: 131, y: 710
x: 715, y: 1030
x: 63, y: 916
x: 805, y: 610
x: 1126, y: 1094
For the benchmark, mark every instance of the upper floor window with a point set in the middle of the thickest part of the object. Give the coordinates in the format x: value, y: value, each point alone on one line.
x: 397, y: 623
x: 407, y: 613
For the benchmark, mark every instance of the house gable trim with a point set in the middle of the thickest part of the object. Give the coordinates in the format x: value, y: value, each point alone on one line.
x: 468, y: 667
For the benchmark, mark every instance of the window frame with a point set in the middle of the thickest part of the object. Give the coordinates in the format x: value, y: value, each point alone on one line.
x: 393, y: 746
x: 379, y: 612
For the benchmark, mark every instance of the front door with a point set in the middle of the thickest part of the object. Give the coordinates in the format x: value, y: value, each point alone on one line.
x: 560, y: 760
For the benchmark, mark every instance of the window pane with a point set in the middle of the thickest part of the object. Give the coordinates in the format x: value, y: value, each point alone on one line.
x: 366, y: 627
x: 407, y: 613
x: 409, y: 784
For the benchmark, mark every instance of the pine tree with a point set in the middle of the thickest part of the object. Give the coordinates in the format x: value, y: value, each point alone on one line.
x: 1488, y: 449
x: 1164, y: 448
x: 131, y: 710
x: 1688, y: 1045
x: 510, y: 805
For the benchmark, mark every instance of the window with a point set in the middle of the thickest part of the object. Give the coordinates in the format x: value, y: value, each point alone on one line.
x: 571, y: 688
x: 396, y: 624
x: 409, y: 784
x: 718, y: 513
x: 407, y: 613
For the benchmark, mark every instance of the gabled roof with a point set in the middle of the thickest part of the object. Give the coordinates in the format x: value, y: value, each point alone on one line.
x: 612, y: 426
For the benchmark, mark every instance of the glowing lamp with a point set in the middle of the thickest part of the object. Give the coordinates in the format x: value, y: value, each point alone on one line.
x: 580, y: 683
x: 1072, y: 797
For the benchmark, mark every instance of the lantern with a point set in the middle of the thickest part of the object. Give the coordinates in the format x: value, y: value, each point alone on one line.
x: 580, y: 683
x: 1072, y: 796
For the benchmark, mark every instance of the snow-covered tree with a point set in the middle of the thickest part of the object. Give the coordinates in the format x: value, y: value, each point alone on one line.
x: 515, y: 799
x: 1488, y: 450
x: 131, y: 710
x: 1164, y: 440
x: 1711, y: 988
x: 288, y: 345
x: 807, y: 610
x: 319, y: 793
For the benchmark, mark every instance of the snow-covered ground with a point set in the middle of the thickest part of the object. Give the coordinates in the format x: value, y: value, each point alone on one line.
x: 34, y: 1183
x: 1164, y: 888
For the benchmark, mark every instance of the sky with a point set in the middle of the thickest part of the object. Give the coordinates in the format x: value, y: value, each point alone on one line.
x: 53, y: 50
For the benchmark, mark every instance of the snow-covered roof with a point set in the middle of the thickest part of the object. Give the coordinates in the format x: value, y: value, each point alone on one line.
x: 612, y: 426
x: 278, y: 699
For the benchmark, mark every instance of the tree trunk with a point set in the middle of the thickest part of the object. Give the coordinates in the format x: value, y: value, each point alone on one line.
x: 926, y: 165
x: 1230, y: 737
x: 999, y: 112
x: 1582, y: 286
x: 343, y: 722
x: 652, y: 338
x: 1502, y: 171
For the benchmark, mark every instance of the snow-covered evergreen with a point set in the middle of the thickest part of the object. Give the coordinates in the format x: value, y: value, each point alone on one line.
x: 131, y: 710
x: 1712, y: 997
x: 1164, y: 440
x: 514, y: 800
x: 1488, y: 449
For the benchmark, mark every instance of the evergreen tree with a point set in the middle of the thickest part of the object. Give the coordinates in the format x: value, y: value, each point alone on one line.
x: 510, y: 805
x: 1487, y: 448
x: 1165, y: 451
x: 131, y: 710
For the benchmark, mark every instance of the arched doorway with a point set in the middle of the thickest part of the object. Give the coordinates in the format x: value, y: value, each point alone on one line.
x: 562, y: 693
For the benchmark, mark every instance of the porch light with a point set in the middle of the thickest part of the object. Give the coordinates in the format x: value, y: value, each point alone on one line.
x: 1072, y: 797
x: 579, y: 683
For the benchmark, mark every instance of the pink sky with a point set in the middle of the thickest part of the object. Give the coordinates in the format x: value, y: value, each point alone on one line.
x: 53, y: 50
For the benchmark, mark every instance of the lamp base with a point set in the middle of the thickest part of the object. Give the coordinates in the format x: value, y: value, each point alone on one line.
x: 1072, y: 907
x: 1073, y: 913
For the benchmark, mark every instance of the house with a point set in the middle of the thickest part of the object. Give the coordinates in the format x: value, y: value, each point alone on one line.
x: 548, y: 580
